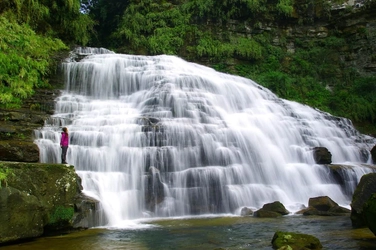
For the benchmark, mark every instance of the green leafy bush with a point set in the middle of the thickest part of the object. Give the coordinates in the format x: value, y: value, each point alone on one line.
x: 24, y: 61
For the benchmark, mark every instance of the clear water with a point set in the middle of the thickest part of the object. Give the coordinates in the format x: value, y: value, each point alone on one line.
x: 216, y: 142
x: 209, y: 233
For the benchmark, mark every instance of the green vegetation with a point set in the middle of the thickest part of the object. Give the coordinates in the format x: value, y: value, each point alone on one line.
x: 32, y: 33
x: 24, y: 61
x: 4, y: 173
x: 314, y: 75
x: 61, y: 215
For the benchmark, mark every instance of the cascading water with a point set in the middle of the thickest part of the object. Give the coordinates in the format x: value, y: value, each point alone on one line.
x: 159, y: 136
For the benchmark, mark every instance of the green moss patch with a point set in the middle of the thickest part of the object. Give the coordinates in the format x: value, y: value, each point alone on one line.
x: 61, y: 214
x: 290, y: 240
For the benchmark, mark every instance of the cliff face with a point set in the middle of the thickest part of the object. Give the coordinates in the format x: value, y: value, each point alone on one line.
x: 310, y: 23
x: 17, y: 127
x: 37, y: 199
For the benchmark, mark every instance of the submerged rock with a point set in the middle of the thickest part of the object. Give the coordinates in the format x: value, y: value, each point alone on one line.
x: 246, y: 211
x: 38, y: 199
x: 295, y: 241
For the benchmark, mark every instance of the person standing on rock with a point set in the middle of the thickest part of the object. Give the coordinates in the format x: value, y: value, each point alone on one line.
x: 64, y: 142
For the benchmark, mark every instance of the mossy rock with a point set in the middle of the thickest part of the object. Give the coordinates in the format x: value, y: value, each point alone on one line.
x: 322, y: 203
x: 19, y: 151
x: 266, y: 214
x: 38, y: 199
x: 364, y: 190
x: 271, y: 210
x: 295, y: 241
x: 369, y: 211
x: 22, y: 215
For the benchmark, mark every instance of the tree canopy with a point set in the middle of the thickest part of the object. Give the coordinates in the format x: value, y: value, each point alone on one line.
x: 32, y: 31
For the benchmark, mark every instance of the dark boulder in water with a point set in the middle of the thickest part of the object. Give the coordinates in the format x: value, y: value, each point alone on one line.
x: 322, y: 155
x: 274, y: 209
x: 324, y: 206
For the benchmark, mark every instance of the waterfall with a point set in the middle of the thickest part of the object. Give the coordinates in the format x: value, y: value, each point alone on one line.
x: 156, y: 136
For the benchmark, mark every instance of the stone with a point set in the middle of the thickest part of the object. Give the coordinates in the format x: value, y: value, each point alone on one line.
x: 369, y: 211
x: 19, y: 151
x: 322, y: 155
x: 373, y: 153
x: 363, y: 191
x: 323, y: 206
x: 295, y: 241
x: 322, y: 203
x: 37, y: 199
x: 273, y: 209
x: 22, y: 215
x: 245, y: 211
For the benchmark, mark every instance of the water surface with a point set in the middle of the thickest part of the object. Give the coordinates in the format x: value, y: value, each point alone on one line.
x: 209, y: 233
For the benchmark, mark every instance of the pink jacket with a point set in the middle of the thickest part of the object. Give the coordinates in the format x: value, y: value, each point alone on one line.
x: 64, y: 141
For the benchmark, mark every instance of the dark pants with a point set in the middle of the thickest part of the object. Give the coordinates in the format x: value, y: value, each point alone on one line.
x: 64, y: 150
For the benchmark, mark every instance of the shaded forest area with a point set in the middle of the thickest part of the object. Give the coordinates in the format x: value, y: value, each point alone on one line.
x: 268, y: 41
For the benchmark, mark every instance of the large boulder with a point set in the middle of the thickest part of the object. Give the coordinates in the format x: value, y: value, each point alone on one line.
x: 322, y: 155
x: 270, y: 210
x: 363, y: 192
x: 369, y: 211
x: 324, y: 206
x: 38, y: 199
x: 295, y: 241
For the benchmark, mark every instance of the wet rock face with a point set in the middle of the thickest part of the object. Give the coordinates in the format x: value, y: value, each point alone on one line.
x: 322, y: 155
x: 40, y: 198
x: 19, y: 151
x: 17, y: 126
x: 154, y: 193
x: 373, y: 153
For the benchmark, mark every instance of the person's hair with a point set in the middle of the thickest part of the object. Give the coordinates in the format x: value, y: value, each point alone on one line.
x: 65, y: 130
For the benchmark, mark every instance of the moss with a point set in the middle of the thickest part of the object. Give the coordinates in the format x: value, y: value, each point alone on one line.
x: 61, y: 215
x: 4, y: 173
x: 370, y: 213
x: 290, y: 240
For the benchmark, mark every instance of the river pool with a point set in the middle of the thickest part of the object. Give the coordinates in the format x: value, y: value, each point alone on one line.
x: 208, y: 233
